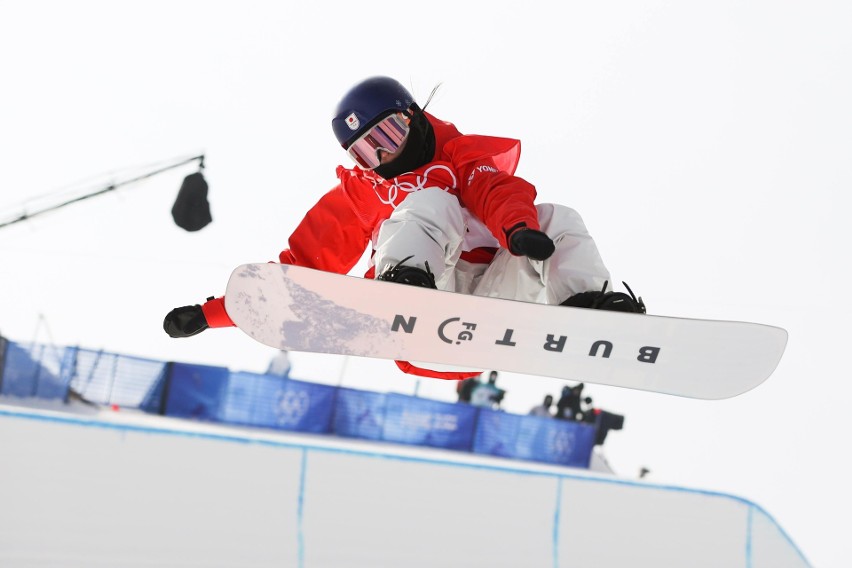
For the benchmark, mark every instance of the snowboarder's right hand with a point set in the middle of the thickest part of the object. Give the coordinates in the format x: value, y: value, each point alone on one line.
x: 185, y: 321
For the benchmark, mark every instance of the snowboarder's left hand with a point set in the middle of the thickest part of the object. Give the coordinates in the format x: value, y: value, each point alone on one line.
x: 529, y: 242
x: 185, y: 321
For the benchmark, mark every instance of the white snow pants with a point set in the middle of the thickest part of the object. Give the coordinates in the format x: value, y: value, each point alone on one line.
x: 431, y: 226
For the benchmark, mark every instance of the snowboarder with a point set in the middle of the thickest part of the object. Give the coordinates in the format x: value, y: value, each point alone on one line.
x: 440, y: 209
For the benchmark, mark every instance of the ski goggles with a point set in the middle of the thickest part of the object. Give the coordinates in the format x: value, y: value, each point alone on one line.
x: 387, y: 135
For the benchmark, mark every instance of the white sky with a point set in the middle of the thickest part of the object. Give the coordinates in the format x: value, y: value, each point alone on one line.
x: 705, y: 144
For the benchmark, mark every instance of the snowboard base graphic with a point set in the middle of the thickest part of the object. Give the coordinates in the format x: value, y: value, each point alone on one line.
x: 301, y: 309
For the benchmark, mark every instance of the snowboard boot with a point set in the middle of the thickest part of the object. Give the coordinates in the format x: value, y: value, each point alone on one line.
x: 610, y: 301
x: 410, y: 275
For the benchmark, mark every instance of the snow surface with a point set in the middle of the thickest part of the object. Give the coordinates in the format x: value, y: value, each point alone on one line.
x: 87, y: 488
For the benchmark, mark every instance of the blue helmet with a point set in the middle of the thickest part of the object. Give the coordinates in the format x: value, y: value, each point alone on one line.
x: 366, y: 104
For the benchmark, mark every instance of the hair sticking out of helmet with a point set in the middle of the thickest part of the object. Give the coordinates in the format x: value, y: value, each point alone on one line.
x: 366, y: 104
x: 432, y: 94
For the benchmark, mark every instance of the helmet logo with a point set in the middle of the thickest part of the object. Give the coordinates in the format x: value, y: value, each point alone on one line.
x: 352, y: 122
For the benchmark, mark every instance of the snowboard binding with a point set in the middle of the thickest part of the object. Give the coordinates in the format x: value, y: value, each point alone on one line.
x: 410, y: 275
x: 610, y: 301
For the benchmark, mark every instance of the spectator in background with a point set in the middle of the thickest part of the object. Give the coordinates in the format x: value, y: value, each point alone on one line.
x: 589, y: 413
x: 488, y: 395
x: 279, y: 365
x: 543, y: 409
x: 568, y: 407
x: 465, y: 388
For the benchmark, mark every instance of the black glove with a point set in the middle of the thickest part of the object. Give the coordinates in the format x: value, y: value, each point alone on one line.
x: 185, y: 321
x: 531, y: 243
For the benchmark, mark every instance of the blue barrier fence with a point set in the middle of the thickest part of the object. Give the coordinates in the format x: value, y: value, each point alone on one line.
x: 217, y: 394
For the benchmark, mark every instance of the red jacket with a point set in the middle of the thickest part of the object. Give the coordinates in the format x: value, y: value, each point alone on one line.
x: 479, y: 170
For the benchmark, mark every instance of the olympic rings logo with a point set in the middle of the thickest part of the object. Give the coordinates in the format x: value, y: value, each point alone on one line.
x: 420, y: 182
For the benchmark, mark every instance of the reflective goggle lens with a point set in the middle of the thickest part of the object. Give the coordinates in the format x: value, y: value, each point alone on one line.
x: 387, y: 135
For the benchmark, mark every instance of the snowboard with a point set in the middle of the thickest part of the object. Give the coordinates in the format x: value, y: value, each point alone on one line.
x: 302, y: 309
